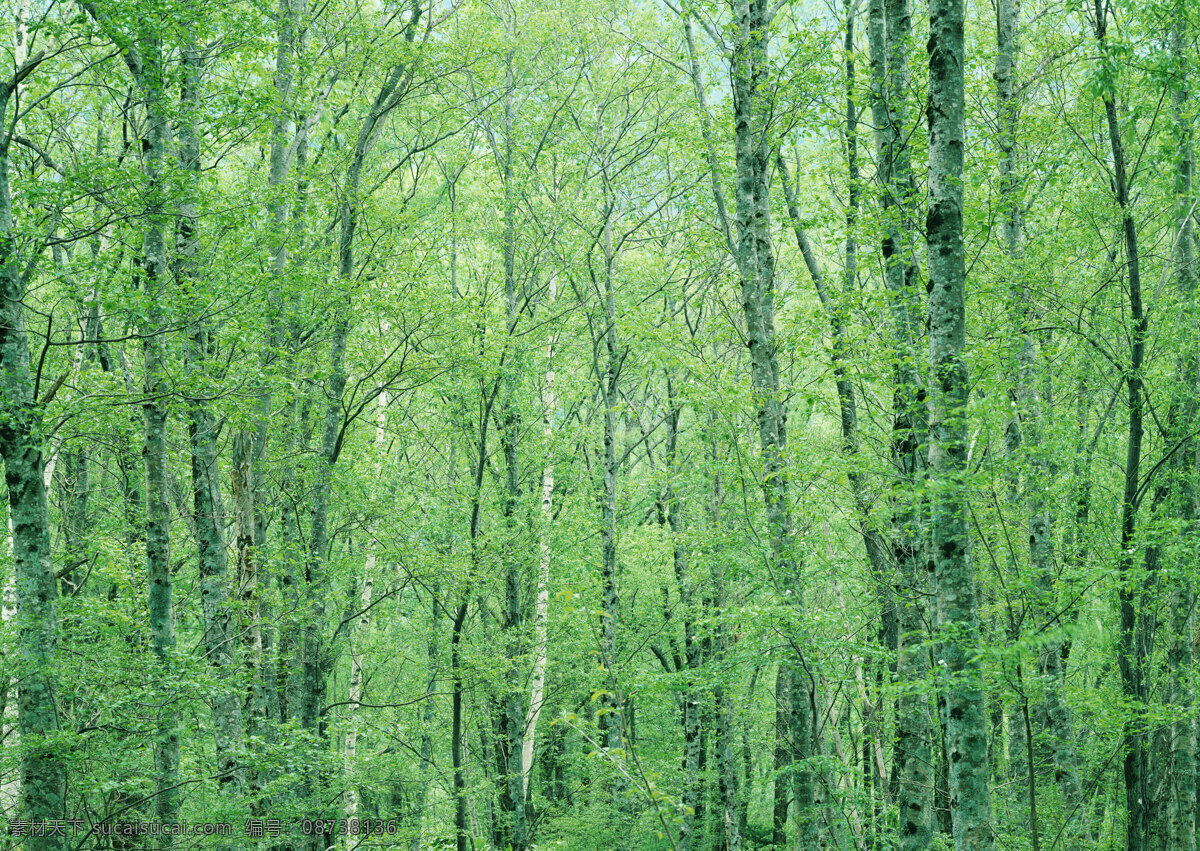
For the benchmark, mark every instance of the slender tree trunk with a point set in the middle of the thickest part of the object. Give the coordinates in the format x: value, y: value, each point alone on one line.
x: 480, y: 464
x: 747, y: 757
x: 428, y: 714
x: 357, y: 636
x: 726, y: 758
x: 1181, y: 817
x: 315, y: 657
x: 670, y: 512
x: 291, y: 574
x: 1138, y: 800
x: 781, y: 793
x: 510, y: 744
x: 1026, y: 428
x: 241, y: 475
x: 756, y: 268
x: 727, y: 773
x: 611, y: 721
x: 10, y: 724
x: 76, y: 543
x: 456, y: 728
x: 541, y: 606
x: 262, y: 639
x: 966, y: 717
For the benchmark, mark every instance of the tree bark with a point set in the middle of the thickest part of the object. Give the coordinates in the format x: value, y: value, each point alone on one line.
x: 889, y: 36
x: 149, y: 72
x: 966, y: 716
x: 427, y: 717
x: 207, y: 504
x: 458, y: 624
x: 358, y: 633
x: 510, y: 744
x: 43, y: 772
x: 541, y: 605
x: 1130, y: 650
x: 1026, y: 427
x: 670, y: 514
x: 611, y: 719
x: 1181, y: 816
x: 756, y: 268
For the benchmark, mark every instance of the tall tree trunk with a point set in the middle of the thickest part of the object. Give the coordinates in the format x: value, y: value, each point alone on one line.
x: 358, y: 634
x: 262, y: 639
x: 458, y: 624
x: 727, y: 769
x: 151, y: 75
x: 1026, y: 427
x: 258, y: 698
x: 75, y: 490
x: 541, y: 605
x: 428, y: 715
x: 315, y: 659
x: 966, y: 717
x: 461, y: 834
x: 1130, y: 650
x: 781, y: 797
x: 510, y: 744
x: 43, y: 772
x: 10, y: 723
x: 729, y: 826
x: 670, y: 513
x: 1181, y: 817
x: 611, y: 721
x: 206, y: 483
x: 756, y: 269
x: 889, y: 37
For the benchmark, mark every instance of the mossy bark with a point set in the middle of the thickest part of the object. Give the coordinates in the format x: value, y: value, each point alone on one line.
x: 961, y: 674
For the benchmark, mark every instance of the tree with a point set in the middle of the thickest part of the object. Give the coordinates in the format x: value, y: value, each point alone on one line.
x: 966, y: 724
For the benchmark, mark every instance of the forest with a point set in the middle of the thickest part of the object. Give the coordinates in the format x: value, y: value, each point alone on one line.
x: 646, y: 425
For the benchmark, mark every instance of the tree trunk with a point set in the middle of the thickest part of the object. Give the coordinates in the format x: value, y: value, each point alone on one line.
x: 611, y: 721
x: 427, y: 717
x: 510, y: 744
x: 262, y: 638
x: 358, y: 633
x: 670, y: 515
x: 43, y: 773
x: 756, y: 267
x: 1181, y: 816
x: 456, y: 728
x: 480, y: 464
x: 241, y: 475
x: 10, y: 724
x: 206, y: 483
x: 889, y: 36
x: 1026, y: 428
x: 1138, y: 800
x: 781, y: 793
x: 966, y: 717
x: 727, y: 773
x: 541, y: 606
x: 156, y: 390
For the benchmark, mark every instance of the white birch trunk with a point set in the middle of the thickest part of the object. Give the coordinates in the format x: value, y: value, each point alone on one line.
x: 541, y: 606
x: 10, y: 788
x: 350, y: 746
